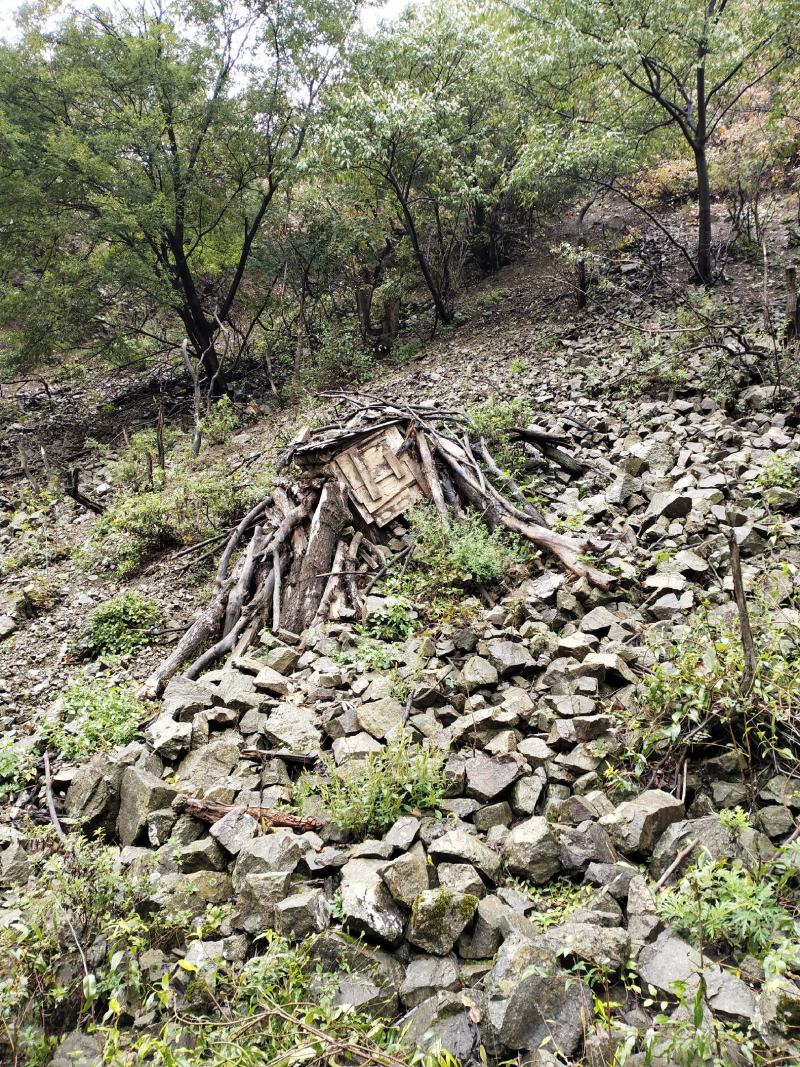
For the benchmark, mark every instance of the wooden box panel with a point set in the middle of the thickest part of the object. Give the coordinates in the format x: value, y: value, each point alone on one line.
x: 382, y: 483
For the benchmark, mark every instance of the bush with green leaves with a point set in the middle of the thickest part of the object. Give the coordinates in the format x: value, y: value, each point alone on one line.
x: 492, y: 420
x: 693, y: 695
x: 93, y: 715
x: 277, y: 1008
x: 722, y: 904
x: 121, y: 625
x: 220, y: 422
x: 18, y: 761
x: 191, y: 507
x: 368, y: 797
x: 446, y: 561
x: 778, y: 473
x: 61, y: 959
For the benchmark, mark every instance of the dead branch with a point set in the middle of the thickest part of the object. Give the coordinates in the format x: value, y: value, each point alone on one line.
x: 210, y: 811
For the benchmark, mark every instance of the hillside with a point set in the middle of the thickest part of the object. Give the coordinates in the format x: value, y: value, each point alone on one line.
x: 520, y: 819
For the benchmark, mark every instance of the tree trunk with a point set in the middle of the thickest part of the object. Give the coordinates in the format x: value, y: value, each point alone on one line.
x: 443, y: 312
x: 326, y: 525
x: 705, y: 266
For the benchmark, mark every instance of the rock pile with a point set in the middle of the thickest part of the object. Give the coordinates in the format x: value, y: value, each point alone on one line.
x: 437, y: 923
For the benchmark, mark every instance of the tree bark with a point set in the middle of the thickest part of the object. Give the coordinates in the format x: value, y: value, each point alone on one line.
x: 705, y: 266
x: 326, y: 525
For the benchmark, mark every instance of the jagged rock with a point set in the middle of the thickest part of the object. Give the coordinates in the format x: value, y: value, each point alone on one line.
x: 204, y: 854
x: 488, y: 777
x: 15, y: 867
x: 531, y: 1001
x: 79, y: 1049
x: 7, y: 626
x: 669, y: 505
x: 275, y: 852
x: 643, y: 918
x: 168, y: 738
x: 715, y: 839
x: 438, y: 918
x: 584, y: 844
x: 445, y: 1021
x: 258, y: 897
x: 272, y: 681
x: 367, y: 905
x: 93, y: 795
x: 140, y: 793
x: 381, y: 718
x: 635, y: 825
x: 426, y: 977
x: 192, y: 892
x: 478, y: 672
x: 406, y: 877
x: 461, y: 878
x: 777, y: 1012
x: 510, y: 657
x: 293, y: 729
x: 599, y: 946
x: 671, y: 966
x: 459, y: 845
x: 234, y: 830
x: 776, y: 820
x: 531, y: 851
x: 615, y: 877
x: 494, y: 921
x: 282, y: 659
x: 303, y: 914
x: 526, y: 793
x: 356, y: 747
x: 205, y: 766
x: 402, y: 833
x: 183, y: 698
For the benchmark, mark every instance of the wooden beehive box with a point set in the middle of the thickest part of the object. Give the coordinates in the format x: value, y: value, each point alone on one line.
x: 383, y: 483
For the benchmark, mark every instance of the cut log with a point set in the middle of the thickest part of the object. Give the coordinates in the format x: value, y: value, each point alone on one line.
x: 432, y: 477
x: 326, y: 525
x: 211, y: 811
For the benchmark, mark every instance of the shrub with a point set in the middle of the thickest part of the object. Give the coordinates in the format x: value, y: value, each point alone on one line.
x: 466, y: 551
x: 367, y: 799
x: 718, y: 902
x: 696, y: 687
x: 94, y: 715
x: 17, y: 766
x: 778, y: 473
x: 220, y: 422
x: 73, y: 951
x: 121, y: 625
x: 193, y: 506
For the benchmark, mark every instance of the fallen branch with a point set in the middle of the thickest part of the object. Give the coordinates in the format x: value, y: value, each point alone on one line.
x: 210, y: 811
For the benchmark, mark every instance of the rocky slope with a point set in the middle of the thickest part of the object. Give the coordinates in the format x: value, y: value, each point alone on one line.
x: 441, y: 922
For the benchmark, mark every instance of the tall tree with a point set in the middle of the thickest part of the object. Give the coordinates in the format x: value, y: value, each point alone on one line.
x: 141, y: 151
x: 418, y: 119
x: 689, y: 61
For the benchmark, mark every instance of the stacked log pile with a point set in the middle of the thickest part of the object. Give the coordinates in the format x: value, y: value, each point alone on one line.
x: 305, y: 553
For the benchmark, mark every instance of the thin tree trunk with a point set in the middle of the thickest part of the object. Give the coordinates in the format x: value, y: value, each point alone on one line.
x: 705, y: 266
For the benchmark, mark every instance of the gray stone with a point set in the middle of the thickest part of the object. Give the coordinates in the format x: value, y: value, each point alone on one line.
x: 184, y: 698
x: 531, y: 851
x: 282, y: 659
x: 461, y: 878
x: 168, y: 738
x: 526, y: 794
x: 635, y: 825
x: 15, y: 867
x: 272, y: 681
x: 79, y: 1049
x: 459, y: 845
x: 669, y: 505
x: 777, y: 1014
x: 487, y: 777
x: 276, y: 852
x: 303, y: 914
x: 401, y: 835
x: 205, y: 766
x: 478, y: 672
x: 235, y: 830
x: 140, y: 793
x: 438, y: 918
x: 204, y: 854
x: 715, y: 839
x: 381, y: 718
x: 532, y: 1002
x: 294, y: 729
x: 406, y: 877
x: 599, y: 946
x: 426, y: 977
x: 93, y: 794
x: 510, y: 657
x: 615, y: 877
x: 643, y: 920
x: 367, y: 905
x: 445, y: 1021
